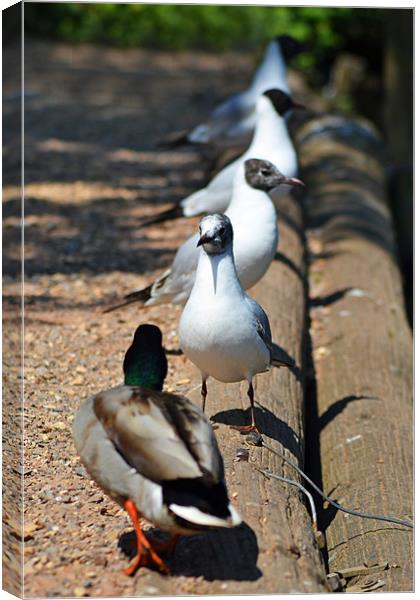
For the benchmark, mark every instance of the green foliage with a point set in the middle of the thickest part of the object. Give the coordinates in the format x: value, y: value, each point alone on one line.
x: 208, y: 27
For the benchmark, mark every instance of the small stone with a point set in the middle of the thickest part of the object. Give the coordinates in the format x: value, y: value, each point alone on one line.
x: 60, y: 425
x: 241, y: 454
x: 79, y: 592
x: 150, y: 589
x: 81, y: 471
x: 22, y: 470
x: 29, y: 529
x: 320, y: 539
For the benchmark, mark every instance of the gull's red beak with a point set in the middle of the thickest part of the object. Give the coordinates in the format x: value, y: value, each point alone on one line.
x: 294, y: 181
x: 299, y: 106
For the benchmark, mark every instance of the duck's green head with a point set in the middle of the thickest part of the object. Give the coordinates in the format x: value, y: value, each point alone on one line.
x: 145, y: 361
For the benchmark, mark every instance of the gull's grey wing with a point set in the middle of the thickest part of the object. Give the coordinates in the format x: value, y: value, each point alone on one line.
x: 278, y: 357
x: 225, y: 116
x: 262, y: 323
x: 163, y: 436
x: 216, y: 196
x: 179, y: 279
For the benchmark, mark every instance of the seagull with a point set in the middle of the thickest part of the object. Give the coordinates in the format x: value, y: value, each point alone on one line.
x: 256, y: 238
x: 223, y: 331
x: 233, y: 121
x: 154, y: 453
x: 271, y: 141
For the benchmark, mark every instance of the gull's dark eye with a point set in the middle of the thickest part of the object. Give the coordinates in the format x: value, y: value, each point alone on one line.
x: 265, y: 172
x: 222, y: 230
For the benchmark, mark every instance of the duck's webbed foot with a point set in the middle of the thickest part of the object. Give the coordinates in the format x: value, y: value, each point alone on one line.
x: 146, y: 554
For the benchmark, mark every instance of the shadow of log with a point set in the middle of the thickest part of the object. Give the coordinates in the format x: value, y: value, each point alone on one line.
x: 339, y: 221
x: 327, y: 515
x: 329, y: 298
x: 285, y: 260
x: 337, y: 407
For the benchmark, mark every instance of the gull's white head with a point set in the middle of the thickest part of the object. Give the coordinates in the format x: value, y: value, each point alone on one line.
x: 216, y: 233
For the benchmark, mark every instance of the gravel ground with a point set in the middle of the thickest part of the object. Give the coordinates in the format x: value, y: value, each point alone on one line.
x: 92, y: 117
x: 92, y: 172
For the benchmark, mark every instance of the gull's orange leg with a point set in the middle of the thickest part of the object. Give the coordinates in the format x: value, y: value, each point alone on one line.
x: 248, y: 428
x: 141, y: 558
x: 244, y: 429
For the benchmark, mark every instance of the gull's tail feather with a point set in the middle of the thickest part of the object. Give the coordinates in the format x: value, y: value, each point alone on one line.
x: 280, y: 358
x: 167, y: 215
x: 139, y: 296
x: 174, y: 140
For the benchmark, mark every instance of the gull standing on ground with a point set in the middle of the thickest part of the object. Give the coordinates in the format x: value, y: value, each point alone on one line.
x: 223, y: 331
x: 154, y: 453
x: 271, y: 141
x: 254, y: 218
x: 233, y: 121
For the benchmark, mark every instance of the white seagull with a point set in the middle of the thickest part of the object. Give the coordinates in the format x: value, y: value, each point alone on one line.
x: 271, y: 141
x: 233, y: 121
x: 254, y: 218
x: 223, y: 331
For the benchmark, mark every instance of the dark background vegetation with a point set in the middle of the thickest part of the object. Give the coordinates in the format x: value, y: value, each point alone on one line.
x: 216, y: 28
x: 361, y: 58
x: 207, y: 27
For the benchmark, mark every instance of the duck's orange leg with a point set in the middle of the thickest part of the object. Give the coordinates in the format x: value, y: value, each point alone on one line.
x: 142, y: 558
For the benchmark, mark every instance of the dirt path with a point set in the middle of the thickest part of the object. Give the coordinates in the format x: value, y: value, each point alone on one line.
x: 91, y: 119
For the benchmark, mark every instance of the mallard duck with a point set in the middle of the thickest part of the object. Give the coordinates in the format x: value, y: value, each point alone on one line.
x: 153, y: 452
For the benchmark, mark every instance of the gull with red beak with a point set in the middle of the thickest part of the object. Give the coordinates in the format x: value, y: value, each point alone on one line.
x: 254, y: 218
x: 271, y: 141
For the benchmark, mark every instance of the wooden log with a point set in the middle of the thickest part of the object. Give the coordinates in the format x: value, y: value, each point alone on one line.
x: 362, y: 350
x: 274, y: 551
